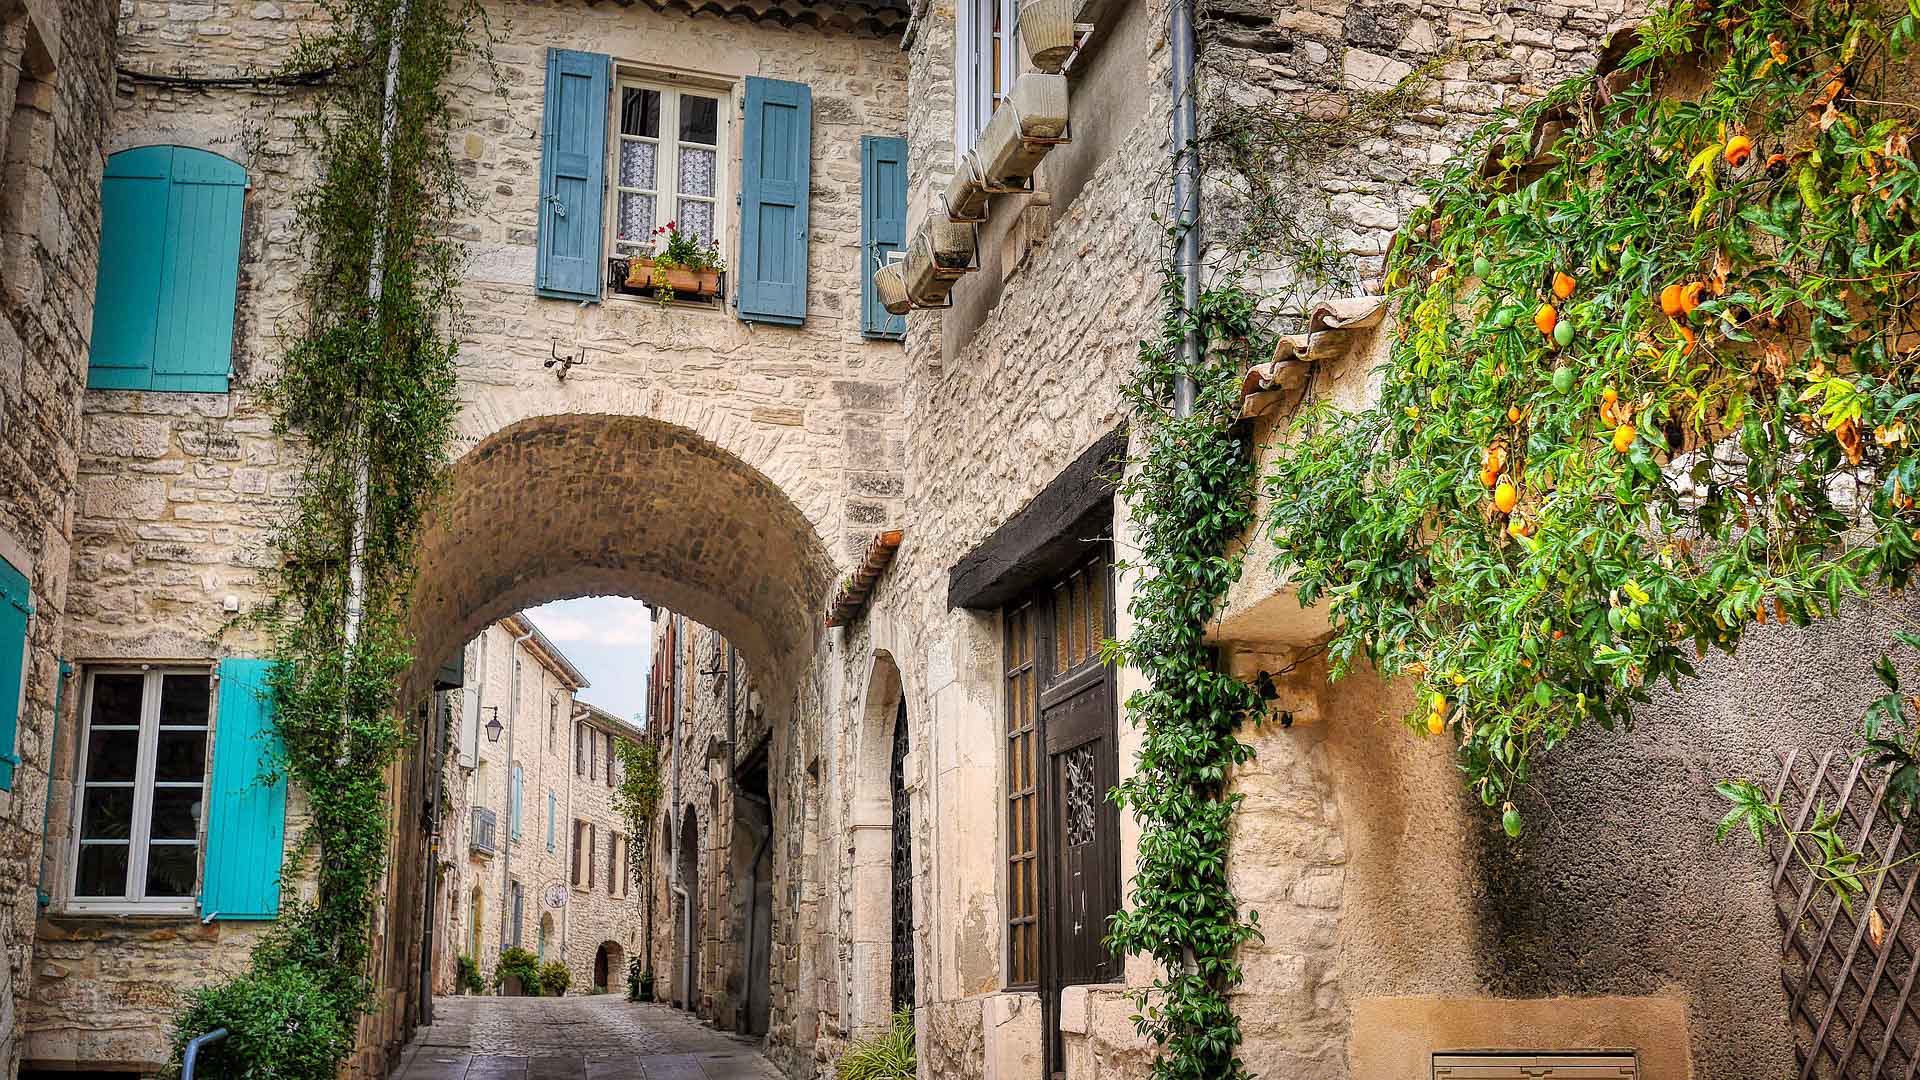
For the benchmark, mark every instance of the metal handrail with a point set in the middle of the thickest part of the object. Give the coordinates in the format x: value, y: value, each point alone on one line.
x: 193, y: 1050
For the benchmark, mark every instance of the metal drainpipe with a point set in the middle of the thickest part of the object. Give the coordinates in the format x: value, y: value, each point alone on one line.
x: 676, y: 886
x: 1186, y: 194
x: 506, y: 820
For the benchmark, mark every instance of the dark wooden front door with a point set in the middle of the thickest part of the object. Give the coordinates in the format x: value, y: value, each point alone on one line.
x: 1062, y: 761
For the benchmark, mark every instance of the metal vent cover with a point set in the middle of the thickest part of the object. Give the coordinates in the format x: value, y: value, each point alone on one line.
x: 1536, y: 1065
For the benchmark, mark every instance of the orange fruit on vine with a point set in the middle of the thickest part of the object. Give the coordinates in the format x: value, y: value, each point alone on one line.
x: 1623, y: 437
x: 1505, y: 498
x: 1609, y: 395
x: 1686, y: 340
x: 1670, y: 300
x: 1518, y: 528
x: 1562, y: 284
x: 1558, y: 634
x: 1690, y: 296
x: 1513, y: 414
x: 1545, y: 318
x: 1436, y: 724
x: 1739, y: 149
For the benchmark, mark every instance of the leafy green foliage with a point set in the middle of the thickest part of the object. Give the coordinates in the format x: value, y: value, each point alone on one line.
x: 1709, y: 429
x: 281, y: 1022
x: 554, y: 978
x: 518, y: 963
x: 639, y: 980
x: 882, y: 1057
x: 467, y: 979
x: 1190, y: 495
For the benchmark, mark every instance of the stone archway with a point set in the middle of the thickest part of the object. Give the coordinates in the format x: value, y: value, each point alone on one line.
x: 609, y: 965
x: 557, y: 506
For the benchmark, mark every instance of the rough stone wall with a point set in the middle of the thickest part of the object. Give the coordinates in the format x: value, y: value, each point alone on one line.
x: 55, y: 69
x: 1006, y: 389
x: 607, y: 913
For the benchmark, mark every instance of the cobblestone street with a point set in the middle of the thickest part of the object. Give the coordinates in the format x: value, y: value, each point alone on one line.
x: 602, y: 1037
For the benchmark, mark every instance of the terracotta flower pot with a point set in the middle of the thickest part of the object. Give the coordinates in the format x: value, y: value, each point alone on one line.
x: 683, y: 282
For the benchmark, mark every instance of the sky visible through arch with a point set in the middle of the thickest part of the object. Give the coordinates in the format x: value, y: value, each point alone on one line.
x: 610, y: 639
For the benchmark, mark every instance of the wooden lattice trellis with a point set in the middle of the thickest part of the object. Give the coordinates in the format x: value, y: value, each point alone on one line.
x: 1848, y: 970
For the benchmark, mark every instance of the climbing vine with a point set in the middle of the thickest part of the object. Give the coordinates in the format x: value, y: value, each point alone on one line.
x: 1190, y: 495
x: 366, y: 385
x: 1654, y: 382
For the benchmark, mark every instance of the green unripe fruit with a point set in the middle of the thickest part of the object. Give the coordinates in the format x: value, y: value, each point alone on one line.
x: 1563, y: 333
x: 1510, y: 820
x: 1481, y: 266
x: 1503, y: 318
x: 1562, y: 377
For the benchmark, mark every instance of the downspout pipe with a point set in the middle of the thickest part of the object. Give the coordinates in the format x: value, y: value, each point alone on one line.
x: 436, y: 777
x: 1186, y: 195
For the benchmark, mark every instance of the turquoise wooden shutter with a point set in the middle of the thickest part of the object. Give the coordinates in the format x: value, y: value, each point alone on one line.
x: 776, y: 168
x: 553, y: 805
x: 163, y: 308
x: 247, y: 814
x: 16, y: 604
x: 513, y: 814
x: 126, y: 299
x: 883, y: 226
x: 573, y: 174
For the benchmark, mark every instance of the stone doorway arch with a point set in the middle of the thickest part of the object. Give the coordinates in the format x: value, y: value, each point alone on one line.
x: 609, y: 964
x: 882, y: 897
x: 687, y: 988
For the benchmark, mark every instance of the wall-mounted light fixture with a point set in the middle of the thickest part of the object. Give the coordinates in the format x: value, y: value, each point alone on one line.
x: 494, y: 726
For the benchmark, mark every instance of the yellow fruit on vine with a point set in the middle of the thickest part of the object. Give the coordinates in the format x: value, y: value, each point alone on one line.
x: 1562, y: 284
x: 1513, y: 414
x: 1438, y: 702
x: 1436, y: 724
x: 1458, y: 680
x: 1609, y: 395
x: 1505, y: 498
x: 1670, y: 300
x: 1623, y: 437
x: 1739, y: 149
x: 1517, y: 528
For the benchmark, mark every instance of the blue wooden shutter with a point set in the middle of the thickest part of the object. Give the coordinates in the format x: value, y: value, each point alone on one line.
x: 16, y: 604
x: 247, y: 814
x: 169, y: 267
x: 573, y: 174
x: 776, y: 168
x: 513, y: 814
x: 883, y: 226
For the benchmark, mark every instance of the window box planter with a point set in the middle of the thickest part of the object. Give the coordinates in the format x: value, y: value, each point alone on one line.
x: 941, y: 253
x: 1047, y: 28
x: 634, y: 277
x: 890, y: 284
x: 966, y: 194
x: 1029, y: 123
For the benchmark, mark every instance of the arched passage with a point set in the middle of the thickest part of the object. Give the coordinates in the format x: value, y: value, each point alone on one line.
x: 687, y: 961
x: 609, y: 965
x: 881, y: 843
x: 552, y: 507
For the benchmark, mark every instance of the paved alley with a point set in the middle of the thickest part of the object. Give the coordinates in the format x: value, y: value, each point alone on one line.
x: 603, y: 1037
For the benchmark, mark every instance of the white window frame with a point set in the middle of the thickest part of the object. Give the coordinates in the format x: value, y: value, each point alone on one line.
x: 143, y: 785
x: 975, y: 95
x: 666, y: 158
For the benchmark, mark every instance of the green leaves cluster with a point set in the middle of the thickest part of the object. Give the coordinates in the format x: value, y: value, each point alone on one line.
x: 889, y: 1056
x: 637, y: 798
x: 367, y: 380
x: 1679, y: 476
x: 518, y: 963
x: 1190, y: 495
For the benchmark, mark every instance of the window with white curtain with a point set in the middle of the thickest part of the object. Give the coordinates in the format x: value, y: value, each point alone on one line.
x: 986, y: 58
x: 669, y: 165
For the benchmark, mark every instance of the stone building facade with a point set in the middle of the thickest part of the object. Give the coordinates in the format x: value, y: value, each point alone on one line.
x: 855, y: 825
x: 533, y: 854
x: 717, y: 861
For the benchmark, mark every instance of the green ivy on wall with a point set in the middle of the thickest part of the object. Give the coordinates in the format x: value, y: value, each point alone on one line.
x: 1190, y: 494
x: 1654, y: 382
x: 366, y: 385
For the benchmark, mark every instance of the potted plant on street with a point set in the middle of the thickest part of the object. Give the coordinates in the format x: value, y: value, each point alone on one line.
x: 685, y: 265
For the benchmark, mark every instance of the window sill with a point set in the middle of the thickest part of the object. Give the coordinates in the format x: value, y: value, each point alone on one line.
x: 143, y: 914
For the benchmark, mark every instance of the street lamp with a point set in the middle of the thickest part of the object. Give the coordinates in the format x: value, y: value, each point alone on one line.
x: 493, y: 725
